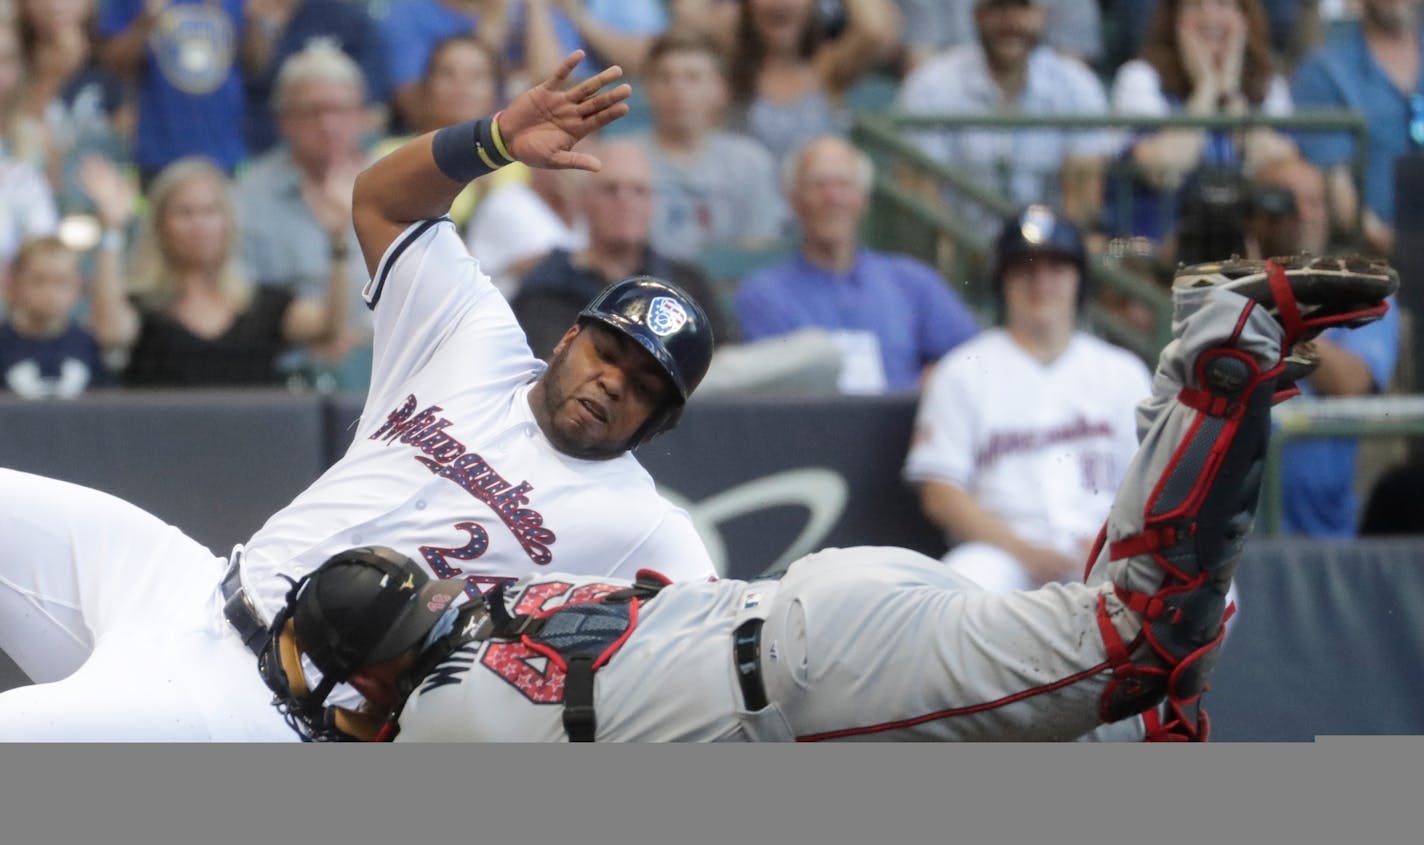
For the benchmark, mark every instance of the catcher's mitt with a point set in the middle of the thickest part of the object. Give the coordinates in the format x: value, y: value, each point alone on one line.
x: 1305, y: 294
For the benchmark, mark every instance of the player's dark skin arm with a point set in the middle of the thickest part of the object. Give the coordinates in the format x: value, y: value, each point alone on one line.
x: 540, y: 128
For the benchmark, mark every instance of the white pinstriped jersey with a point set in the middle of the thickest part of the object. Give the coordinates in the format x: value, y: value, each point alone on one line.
x: 448, y: 465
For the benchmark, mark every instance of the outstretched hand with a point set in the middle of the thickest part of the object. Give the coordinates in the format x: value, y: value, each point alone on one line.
x: 542, y: 125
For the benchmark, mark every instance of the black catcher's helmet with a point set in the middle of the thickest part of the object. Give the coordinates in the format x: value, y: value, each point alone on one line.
x: 1038, y: 230
x: 667, y: 322
x: 362, y: 606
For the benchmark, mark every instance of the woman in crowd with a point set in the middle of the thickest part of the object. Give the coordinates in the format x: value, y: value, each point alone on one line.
x: 789, y: 81
x: 27, y: 206
x: 188, y: 316
x: 462, y: 81
x: 1201, y: 57
x: 80, y: 104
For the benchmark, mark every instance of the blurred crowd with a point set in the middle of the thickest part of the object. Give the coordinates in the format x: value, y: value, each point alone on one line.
x: 175, y: 179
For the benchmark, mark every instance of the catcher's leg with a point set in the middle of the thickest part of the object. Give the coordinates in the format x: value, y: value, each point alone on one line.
x: 1176, y: 529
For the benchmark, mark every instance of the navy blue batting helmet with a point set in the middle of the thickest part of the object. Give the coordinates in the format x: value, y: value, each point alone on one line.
x: 667, y: 322
x: 1038, y: 230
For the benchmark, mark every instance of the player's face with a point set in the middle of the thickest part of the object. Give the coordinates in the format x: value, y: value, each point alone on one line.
x: 600, y: 388
x: 1041, y: 292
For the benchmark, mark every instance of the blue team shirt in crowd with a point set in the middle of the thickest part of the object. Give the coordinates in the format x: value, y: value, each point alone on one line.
x: 914, y: 314
x: 411, y: 30
x: 62, y: 366
x: 1318, y: 475
x: 1343, y: 75
x: 190, y: 99
x: 341, y: 21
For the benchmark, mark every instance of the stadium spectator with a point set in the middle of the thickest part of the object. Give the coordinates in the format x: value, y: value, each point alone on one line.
x: 617, y: 32
x: 1306, y: 185
x: 27, y: 207
x: 616, y: 204
x: 181, y: 56
x: 530, y: 37
x: 462, y: 81
x: 892, y: 315
x: 23, y: 136
x: 789, y: 81
x: 278, y: 29
x: 188, y: 317
x: 1007, y: 70
x: 1318, y: 495
x: 44, y: 351
x: 1201, y: 57
x: 1024, y: 433
x: 1295, y: 27
x: 1372, y: 66
x: 712, y: 188
x: 1074, y: 28
x: 292, y: 236
x: 80, y: 104
x: 519, y: 221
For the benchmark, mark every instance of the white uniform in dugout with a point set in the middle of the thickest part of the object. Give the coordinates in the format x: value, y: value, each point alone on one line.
x: 1041, y: 446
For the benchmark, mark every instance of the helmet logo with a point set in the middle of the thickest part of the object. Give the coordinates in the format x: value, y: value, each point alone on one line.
x: 1037, y: 223
x: 666, y: 315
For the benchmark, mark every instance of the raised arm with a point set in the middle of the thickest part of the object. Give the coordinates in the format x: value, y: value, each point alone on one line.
x: 539, y: 128
x: 113, y: 319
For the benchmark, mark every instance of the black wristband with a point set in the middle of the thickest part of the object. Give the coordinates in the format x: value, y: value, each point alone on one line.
x: 466, y: 151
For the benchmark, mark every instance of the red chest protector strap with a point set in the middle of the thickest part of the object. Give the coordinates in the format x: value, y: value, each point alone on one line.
x: 579, y: 639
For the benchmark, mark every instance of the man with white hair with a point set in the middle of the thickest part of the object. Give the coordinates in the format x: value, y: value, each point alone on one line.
x: 891, y: 315
x: 294, y: 203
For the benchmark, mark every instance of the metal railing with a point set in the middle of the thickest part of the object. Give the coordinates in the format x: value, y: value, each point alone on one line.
x: 905, y: 220
x: 1307, y: 417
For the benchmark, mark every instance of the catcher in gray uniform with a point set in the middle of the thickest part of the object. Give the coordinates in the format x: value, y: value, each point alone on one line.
x: 860, y: 643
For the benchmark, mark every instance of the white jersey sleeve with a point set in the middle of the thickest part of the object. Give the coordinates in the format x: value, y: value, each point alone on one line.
x: 673, y: 548
x: 426, y: 285
x: 943, y: 444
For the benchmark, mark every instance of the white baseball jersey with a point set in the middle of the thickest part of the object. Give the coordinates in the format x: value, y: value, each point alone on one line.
x: 118, y: 618
x: 1041, y: 446
x: 448, y: 465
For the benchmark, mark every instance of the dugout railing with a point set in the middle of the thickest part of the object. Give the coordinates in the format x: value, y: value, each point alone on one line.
x: 1364, y: 418
x: 906, y: 217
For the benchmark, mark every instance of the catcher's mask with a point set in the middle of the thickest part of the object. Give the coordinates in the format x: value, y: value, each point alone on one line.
x: 361, y: 607
x: 670, y: 324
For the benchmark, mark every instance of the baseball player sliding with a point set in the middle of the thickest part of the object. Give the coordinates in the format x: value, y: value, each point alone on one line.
x: 860, y: 643
x: 470, y: 457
